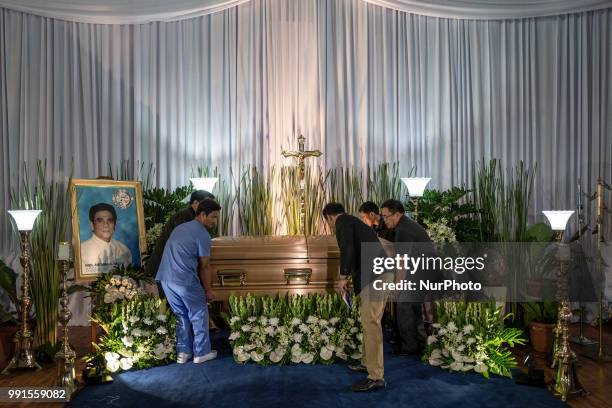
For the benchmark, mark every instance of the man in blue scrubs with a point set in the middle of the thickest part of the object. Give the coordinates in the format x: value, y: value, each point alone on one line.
x: 185, y: 277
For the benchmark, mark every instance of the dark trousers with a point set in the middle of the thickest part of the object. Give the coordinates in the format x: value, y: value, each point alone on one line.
x: 411, y: 335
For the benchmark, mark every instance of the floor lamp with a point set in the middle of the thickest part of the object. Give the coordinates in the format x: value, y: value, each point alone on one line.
x: 415, y: 187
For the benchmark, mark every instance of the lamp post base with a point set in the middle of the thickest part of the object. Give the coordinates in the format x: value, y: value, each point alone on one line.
x: 23, y: 357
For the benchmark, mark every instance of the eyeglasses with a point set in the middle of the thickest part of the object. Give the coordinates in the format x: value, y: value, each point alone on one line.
x: 102, y: 220
x: 388, y: 215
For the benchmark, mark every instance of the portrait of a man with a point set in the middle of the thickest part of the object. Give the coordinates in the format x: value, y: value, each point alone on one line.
x: 108, y: 226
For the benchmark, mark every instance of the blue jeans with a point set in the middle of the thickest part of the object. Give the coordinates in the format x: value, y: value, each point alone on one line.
x: 189, y: 305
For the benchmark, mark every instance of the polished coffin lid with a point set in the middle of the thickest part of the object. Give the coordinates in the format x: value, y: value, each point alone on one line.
x: 274, y: 248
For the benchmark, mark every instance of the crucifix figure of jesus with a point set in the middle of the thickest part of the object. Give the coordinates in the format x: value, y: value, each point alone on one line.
x: 301, y: 154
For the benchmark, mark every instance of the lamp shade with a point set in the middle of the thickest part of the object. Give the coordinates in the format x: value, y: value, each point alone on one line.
x: 558, y: 219
x: 416, y: 185
x: 204, y: 183
x: 24, y: 218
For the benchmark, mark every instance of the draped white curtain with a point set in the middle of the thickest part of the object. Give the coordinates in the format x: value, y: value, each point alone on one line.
x: 363, y: 83
x: 146, y: 11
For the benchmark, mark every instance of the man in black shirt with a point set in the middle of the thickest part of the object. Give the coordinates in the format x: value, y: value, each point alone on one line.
x: 410, y: 327
x: 369, y: 214
x: 351, y: 233
x: 185, y: 215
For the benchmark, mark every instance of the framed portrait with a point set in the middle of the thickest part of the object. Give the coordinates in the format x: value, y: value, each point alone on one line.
x: 107, y: 226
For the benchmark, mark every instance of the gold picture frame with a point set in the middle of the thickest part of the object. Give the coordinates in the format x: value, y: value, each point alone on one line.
x: 101, y: 244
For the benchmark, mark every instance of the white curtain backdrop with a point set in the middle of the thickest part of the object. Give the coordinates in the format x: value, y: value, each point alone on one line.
x: 363, y: 83
x: 146, y: 11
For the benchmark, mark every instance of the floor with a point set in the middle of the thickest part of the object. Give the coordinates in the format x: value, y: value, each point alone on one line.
x: 596, y: 378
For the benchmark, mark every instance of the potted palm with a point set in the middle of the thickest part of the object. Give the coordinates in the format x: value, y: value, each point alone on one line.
x: 542, y: 317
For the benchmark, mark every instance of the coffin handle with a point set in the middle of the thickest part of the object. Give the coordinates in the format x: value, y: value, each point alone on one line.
x: 226, y: 276
x: 298, y: 274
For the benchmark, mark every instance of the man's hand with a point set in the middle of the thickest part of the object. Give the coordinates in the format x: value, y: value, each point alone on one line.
x: 343, y: 284
x: 211, y: 295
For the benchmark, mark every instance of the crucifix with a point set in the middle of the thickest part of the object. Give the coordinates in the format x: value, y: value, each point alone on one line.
x: 301, y: 154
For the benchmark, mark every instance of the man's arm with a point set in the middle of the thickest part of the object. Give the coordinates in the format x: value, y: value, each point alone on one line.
x: 205, y: 276
x: 344, y: 236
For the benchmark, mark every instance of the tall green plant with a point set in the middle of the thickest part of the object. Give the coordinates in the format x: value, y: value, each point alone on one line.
x: 314, y: 199
x: 255, y: 203
x: 50, y: 228
x: 345, y: 185
x: 383, y: 182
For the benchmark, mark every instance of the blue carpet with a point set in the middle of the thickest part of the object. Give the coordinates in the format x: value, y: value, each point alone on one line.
x: 224, y: 383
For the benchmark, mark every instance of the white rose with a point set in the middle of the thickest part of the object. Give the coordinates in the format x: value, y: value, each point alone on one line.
x: 256, y: 357
x: 243, y: 357
x: 275, y: 357
x: 326, y: 353
x: 296, y: 358
x: 307, y: 358
x: 126, y: 363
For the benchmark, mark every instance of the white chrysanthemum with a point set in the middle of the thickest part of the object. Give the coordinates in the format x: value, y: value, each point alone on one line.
x: 263, y: 320
x: 269, y: 330
x: 273, y: 321
x: 304, y: 328
x: 297, y: 337
x: 234, y: 335
x: 295, y: 321
x: 471, y: 340
x: 137, y: 332
x: 161, y: 330
x: 451, y: 326
x: 334, y: 320
x: 234, y: 319
x: 245, y: 328
x: 128, y: 341
x: 147, y: 321
x: 252, y: 319
x: 354, y: 330
x: 467, y: 329
x: 162, y: 317
x: 323, y: 323
x: 126, y: 363
x: 312, y: 319
x: 133, y: 319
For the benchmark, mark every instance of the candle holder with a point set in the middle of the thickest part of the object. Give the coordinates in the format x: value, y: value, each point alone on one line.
x: 66, y: 356
x: 565, y: 384
x: 23, y: 356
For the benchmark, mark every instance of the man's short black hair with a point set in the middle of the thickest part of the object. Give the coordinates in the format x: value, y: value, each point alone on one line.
x: 394, y: 206
x: 200, y: 195
x: 207, y: 206
x: 102, y: 207
x: 368, y: 207
x: 333, y: 209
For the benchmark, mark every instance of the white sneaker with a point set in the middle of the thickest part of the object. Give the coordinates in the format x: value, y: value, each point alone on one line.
x: 205, y: 358
x: 182, y: 358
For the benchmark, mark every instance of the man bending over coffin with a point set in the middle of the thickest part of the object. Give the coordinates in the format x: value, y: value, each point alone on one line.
x: 185, y: 215
x: 184, y: 275
x: 351, y: 233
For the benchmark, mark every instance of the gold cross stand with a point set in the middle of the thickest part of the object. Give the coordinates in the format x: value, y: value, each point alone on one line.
x: 301, y: 154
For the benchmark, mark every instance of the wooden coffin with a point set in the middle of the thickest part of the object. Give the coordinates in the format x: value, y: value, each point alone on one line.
x: 274, y: 264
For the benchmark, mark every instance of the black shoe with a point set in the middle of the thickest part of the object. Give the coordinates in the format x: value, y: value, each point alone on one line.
x: 358, y: 367
x: 368, y: 385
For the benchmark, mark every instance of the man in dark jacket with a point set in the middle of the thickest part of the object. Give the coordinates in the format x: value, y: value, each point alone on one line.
x: 411, y: 335
x: 351, y: 233
x: 370, y: 215
x: 185, y: 215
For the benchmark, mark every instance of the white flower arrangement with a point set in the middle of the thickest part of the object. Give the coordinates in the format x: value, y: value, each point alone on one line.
x: 120, y: 288
x: 471, y: 337
x: 440, y: 232
x: 277, y: 339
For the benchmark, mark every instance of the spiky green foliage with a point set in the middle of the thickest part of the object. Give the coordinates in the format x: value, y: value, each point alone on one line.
x: 314, y: 199
x: 126, y: 171
x: 383, y: 182
x: 345, y: 186
x: 51, y: 227
x: 255, y: 202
